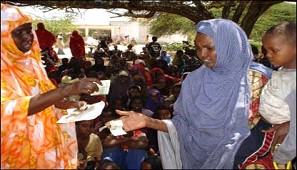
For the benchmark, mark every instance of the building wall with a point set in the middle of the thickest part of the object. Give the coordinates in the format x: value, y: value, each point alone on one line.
x: 124, y: 31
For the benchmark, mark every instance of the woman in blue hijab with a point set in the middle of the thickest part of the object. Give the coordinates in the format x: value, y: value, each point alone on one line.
x: 211, y: 113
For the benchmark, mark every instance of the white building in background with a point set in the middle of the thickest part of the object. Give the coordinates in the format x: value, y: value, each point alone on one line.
x: 124, y: 31
x: 98, y: 22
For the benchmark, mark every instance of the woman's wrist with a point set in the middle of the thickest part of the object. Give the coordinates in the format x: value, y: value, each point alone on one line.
x: 148, y: 122
x: 155, y: 124
x: 65, y: 91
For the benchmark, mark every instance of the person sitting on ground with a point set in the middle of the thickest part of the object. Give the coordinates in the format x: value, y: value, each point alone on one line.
x: 153, y: 98
x: 133, y: 91
x: 153, y: 162
x: 174, y: 93
x: 127, y: 151
x: 99, y: 64
x: 107, y: 164
x: 179, y: 61
x: 144, y: 55
x: 64, y: 66
x: 89, y: 144
x: 137, y: 105
x: 108, y: 114
x: 166, y: 57
x: 162, y: 112
x: 139, y: 68
x: 123, y: 64
x: 114, y: 51
x: 130, y: 53
x: 119, y: 85
x: 211, y: 113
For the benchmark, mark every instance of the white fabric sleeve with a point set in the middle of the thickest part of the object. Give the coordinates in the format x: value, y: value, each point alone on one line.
x: 287, y: 150
x: 169, y: 147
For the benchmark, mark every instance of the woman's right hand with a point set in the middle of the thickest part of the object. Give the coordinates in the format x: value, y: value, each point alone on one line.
x: 132, y: 120
x: 85, y: 85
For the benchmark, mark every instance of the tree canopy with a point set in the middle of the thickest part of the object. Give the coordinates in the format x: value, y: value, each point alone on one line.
x: 245, y: 13
x: 57, y: 25
x: 167, y: 24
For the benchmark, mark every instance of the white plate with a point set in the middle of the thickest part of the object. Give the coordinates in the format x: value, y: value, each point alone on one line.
x: 90, y: 113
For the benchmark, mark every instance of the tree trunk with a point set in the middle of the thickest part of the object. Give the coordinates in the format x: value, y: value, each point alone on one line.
x: 252, y: 15
x: 239, y: 10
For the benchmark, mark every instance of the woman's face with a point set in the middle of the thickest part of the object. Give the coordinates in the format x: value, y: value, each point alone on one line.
x: 206, y: 49
x: 23, y: 37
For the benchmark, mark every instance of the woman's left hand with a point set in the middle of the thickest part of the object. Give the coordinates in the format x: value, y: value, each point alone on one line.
x: 64, y: 104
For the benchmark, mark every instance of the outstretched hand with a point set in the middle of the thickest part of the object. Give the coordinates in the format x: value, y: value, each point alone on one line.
x: 281, y: 131
x: 132, y: 120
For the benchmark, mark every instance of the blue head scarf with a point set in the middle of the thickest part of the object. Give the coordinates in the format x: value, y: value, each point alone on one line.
x: 211, y: 113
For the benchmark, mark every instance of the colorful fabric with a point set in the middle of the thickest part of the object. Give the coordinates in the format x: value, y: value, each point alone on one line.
x: 35, y: 141
x: 152, y: 103
x: 139, y: 69
x: 255, y: 147
x: 258, y: 77
x: 211, y: 112
x: 46, y: 39
x: 77, y: 45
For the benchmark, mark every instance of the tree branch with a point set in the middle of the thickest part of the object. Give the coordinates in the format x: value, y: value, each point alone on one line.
x: 239, y: 10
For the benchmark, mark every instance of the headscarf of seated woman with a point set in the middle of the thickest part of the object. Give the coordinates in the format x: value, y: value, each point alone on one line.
x: 211, y: 112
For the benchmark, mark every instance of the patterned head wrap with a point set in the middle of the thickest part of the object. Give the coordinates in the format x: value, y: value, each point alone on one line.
x: 211, y: 112
x: 11, y: 18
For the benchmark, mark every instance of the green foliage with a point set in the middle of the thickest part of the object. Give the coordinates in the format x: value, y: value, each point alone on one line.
x: 168, y: 24
x: 174, y: 46
x: 58, y: 25
x: 258, y: 44
x: 274, y: 15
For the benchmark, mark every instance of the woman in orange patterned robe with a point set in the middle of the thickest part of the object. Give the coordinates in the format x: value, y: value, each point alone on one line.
x: 31, y: 104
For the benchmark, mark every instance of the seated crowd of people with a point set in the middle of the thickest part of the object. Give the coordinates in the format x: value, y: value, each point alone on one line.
x: 142, y: 83
x: 139, y: 82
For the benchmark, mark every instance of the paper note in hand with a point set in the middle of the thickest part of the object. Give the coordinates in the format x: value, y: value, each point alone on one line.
x: 116, y: 127
x: 104, y: 89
